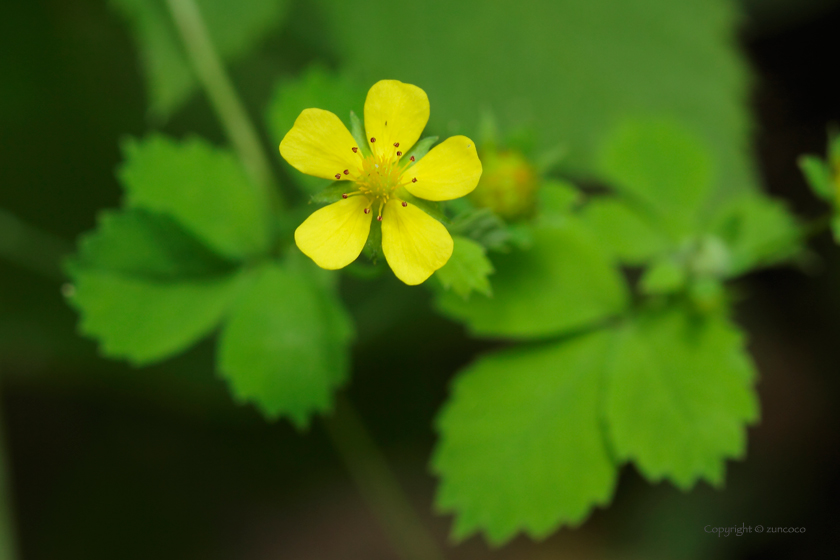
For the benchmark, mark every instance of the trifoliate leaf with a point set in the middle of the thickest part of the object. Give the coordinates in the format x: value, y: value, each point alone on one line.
x: 141, y: 244
x: 234, y: 28
x: 521, y: 445
x: 563, y: 282
x: 664, y: 167
x: 757, y: 230
x: 679, y: 396
x: 572, y: 69
x: 145, y: 321
x: 663, y: 277
x: 205, y: 189
x: 284, y: 347
x: 632, y: 237
x: 467, y: 269
x: 315, y: 88
x: 818, y: 176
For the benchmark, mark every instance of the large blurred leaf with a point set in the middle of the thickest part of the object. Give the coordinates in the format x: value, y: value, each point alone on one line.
x: 204, y: 188
x: 521, y: 446
x: 142, y: 244
x: 563, y: 282
x: 627, y: 234
x: 235, y: 27
x: 679, y: 394
x: 285, y: 346
x: 663, y: 167
x: 145, y: 321
x: 574, y: 69
x: 316, y: 88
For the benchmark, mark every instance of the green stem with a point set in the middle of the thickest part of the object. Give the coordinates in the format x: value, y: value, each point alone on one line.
x: 378, y: 485
x: 31, y: 248
x: 8, y: 540
x: 229, y: 108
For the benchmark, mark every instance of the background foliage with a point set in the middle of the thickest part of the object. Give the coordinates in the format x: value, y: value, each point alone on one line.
x: 598, y: 325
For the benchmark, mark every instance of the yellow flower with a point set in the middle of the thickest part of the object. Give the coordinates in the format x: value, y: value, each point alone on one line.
x: 415, y: 244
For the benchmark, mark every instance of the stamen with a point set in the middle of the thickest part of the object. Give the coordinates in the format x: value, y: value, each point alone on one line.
x: 337, y: 176
x: 414, y: 180
x: 411, y: 158
x: 372, y: 140
x: 367, y: 210
x: 355, y: 149
x: 344, y: 195
x: 399, y: 154
x: 396, y: 144
x: 347, y: 172
x: 404, y: 203
x: 379, y: 218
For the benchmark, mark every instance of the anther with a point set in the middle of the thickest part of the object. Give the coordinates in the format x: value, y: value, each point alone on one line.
x: 347, y: 172
x: 414, y: 180
x: 396, y: 144
x: 344, y: 195
x: 399, y: 154
x: 405, y: 203
x: 367, y: 210
x: 372, y: 140
x: 355, y: 149
x: 337, y: 176
x: 379, y: 218
x: 411, y: 158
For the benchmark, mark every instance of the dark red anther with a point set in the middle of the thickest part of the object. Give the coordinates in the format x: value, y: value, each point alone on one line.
x: 399, y: 154
x: 344, y: 195
x: 337, y: 176
x: 355, y: 149
x: 367, y: 210
x: 405, y: 203
x: 347, y: 172
x: 396, y: 144
x: 414, y: 180
x: 379, y: 218
x: 372, y: 140
x: 411, y: 158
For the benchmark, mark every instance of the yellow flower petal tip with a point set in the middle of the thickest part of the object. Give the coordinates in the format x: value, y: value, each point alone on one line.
x: 415, y: 245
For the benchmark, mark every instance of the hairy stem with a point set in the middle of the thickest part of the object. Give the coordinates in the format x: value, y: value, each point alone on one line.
x: 378, y: 485
x: 229, y: 108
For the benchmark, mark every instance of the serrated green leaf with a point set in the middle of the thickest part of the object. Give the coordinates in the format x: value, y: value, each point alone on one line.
x: 315, y: 88
x: 679, y: 396
x: 234, y: 27
x: 818, y: 176
x: 144, y: 321
x: 572, y: 69
x: 757, y: 231
x: 484, y: 227
x: 204, y: 188
x: 144, y: 245
x: 521, y: 446
x: 563, y: 282
x: 632, y: 237
x: 284, y: 348
x: 663, y: 277
x: 467, y: 269
x: 664, y: 167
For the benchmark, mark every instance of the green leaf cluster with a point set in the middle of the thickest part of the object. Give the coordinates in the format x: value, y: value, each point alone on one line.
x: 823, y: 176
x: 191, y: 252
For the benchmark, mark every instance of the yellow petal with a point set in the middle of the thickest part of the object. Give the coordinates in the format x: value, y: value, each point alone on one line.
x: 335, y: 235
x: 395, y: 113
x: 414, y: 243
x: 450, y: 170
x: 319, y: 144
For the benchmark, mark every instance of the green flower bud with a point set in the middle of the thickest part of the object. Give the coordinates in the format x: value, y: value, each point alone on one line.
x: 508, y: 184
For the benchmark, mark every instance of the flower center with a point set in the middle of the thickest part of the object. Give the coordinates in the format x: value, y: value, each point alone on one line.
x: 378, y: 179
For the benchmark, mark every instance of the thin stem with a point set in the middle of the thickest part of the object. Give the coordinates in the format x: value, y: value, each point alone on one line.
x: 31, y: 248
x: 229, y: 108
x: 378, y: 485
x: 8, y: 532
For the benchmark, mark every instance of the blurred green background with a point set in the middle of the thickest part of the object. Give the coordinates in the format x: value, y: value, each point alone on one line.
x: 104, y: 460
